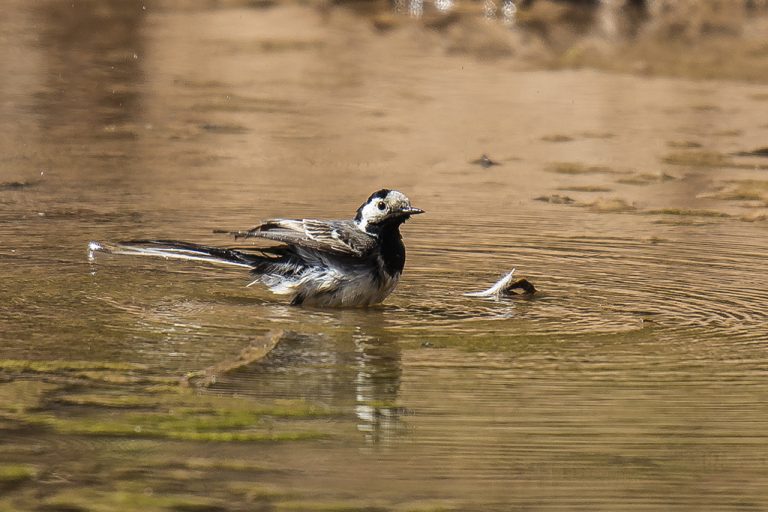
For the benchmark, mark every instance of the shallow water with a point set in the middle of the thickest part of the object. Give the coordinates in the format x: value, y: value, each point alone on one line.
x: 634, y: 380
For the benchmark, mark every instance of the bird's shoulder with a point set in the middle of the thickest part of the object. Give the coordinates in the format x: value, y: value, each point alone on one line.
x: 333, y: 236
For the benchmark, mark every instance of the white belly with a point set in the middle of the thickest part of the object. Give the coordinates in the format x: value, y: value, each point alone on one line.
x: 354, y: 291
x: 329, y: 287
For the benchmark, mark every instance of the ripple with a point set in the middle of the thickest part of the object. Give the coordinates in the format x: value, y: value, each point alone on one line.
x: 601, y: 283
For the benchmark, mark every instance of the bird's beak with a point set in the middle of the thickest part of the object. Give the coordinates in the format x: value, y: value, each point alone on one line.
x: 411, y: 211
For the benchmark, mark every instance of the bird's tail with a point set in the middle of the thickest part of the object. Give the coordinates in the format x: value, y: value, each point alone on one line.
x: 174, y: 249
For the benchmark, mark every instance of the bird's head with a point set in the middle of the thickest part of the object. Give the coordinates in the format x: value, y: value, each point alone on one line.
x: 384, y: 208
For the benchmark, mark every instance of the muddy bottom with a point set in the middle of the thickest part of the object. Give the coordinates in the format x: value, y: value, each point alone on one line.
x: 634, y: 378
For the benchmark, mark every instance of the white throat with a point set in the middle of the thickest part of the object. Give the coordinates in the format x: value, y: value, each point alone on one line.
x: 362, y: 225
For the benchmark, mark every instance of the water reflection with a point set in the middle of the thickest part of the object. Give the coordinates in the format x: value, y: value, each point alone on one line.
x: 583, y: 398
x: 94, y: 52
x: 444, y: 5
x: 416, y: 8
x: 611, y: 18
x: 377, y: 387
x: 505, y: 11
x: 358, y: 373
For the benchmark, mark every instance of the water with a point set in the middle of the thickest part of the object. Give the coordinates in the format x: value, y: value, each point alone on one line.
x: 634, y: 380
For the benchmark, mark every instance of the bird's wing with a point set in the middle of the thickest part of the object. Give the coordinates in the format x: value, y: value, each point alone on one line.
x: 338, y: 237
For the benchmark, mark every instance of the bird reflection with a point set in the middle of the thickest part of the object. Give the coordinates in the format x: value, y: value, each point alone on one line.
x: 416, y: 8
x: 377, y: 387
x: 359, y: 372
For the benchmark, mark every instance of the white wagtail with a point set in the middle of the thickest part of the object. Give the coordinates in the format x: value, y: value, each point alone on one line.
x: 331, y: 263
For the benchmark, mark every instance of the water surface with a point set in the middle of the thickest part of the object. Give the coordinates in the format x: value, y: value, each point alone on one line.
x: 636, y: 379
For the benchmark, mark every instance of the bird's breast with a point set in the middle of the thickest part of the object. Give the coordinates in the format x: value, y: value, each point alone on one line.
x: 392, y: 254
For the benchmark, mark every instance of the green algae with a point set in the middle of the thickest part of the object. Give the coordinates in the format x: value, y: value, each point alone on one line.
x: 222, y: 427
x: 120, y: 401
x: 330, y: 506
x: 184, y: 402
x: 129, y: 500
x: 555, y: 199
x: 430, y: 506
x: 645, y: 179
x: 609, y: 205
x: 96, y: 372
x: 15, y: 473
x: 172, y: 388
x: 697, y: 159
x: 687, y: 212
x: 207, y: 463
x: 175, y: 416
x: 123, y: 400
x: 682, y: 221
x: 707, y: 159
x: 743, y: 190
x: 181, y: 414
x: 585, y: 188
x: 54, y: 366
x: 576, y: 168
x: 259, y: 492
x: 18, y: 397
x: 245, y: 437
x: 111, y: 377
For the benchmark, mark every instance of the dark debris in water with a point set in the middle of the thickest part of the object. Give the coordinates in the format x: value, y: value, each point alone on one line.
x: 555, y: 199
x: 557, y: 138
x: 683, y: 144
x: 226, y: 129
x: 521, y: 286
x: 485, y: 162
x: 17, y: 185
x: 760, y: 152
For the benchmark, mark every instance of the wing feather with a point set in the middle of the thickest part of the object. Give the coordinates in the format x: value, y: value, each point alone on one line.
x: 337, y: 237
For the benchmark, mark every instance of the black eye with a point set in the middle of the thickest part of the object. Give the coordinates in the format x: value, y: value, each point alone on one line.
x: 381, y: 205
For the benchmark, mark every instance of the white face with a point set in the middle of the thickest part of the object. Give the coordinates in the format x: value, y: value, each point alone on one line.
x: 378, y: 208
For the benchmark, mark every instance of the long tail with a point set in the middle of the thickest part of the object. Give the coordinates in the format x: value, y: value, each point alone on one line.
x: 174, y: 249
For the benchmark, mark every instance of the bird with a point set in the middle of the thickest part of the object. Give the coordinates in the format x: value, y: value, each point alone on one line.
x: 317, y: 263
